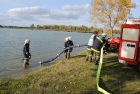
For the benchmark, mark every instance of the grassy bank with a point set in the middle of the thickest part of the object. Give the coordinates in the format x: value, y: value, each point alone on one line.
x: 76, y: 76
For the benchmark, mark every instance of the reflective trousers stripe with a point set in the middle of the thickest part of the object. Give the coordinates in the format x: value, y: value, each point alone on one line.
x: 95, y: 50
x: 89, y: 49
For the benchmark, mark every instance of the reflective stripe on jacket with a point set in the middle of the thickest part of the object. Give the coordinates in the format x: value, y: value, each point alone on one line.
x: 98, y: 44
x: 89, y: 48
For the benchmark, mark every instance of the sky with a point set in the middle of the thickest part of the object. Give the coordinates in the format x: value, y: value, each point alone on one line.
x: 49, y: 12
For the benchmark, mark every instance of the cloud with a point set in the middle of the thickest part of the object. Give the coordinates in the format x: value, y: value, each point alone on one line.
x: 28, y: 11
x: 76, y: 8
x: 63, y: 15
x: 67, y: 12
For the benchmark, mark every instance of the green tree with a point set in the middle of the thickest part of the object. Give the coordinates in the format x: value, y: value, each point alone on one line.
x: 61, y: 27
x: 110, y: 12
x: 45, y: 27
x: 32, y: 26
x: 38, y: 27
x: 50, y: 27
x: 85, y: 28
x: 56, y: 27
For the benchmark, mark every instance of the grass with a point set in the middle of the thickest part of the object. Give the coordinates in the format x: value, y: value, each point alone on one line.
x: 76, y: 76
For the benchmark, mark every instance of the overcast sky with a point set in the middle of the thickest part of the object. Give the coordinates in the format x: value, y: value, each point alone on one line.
x: 48, y: 12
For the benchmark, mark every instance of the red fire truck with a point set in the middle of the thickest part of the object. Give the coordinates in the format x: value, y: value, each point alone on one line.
x: 129, y: 48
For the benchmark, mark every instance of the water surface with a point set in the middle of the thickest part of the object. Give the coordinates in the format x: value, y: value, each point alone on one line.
x: 44, y: 45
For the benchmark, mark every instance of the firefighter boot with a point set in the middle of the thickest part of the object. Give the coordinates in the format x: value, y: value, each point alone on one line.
x: 65, y: 55
x: 87, y: 56
x: 96, y: 62
x: 27, y: 63
x: 90, y: 58
x: 68, y: 55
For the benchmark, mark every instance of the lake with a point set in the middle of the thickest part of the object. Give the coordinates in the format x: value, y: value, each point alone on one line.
x: 44, y: 45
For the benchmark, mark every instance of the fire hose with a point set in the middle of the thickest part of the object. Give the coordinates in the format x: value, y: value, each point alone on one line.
x: 98, y: 74
x: 98, y: 71
x: 75, y: 46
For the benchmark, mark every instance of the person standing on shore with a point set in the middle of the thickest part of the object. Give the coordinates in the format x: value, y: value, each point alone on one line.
x: 26, y: 53
x: 99, y: 42
x: 90, y: 44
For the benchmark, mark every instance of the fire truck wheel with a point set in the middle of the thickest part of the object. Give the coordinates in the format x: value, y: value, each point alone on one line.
x: 139, y: 67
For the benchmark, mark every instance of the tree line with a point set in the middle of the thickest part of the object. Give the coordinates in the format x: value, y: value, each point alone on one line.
x: 63, y: 28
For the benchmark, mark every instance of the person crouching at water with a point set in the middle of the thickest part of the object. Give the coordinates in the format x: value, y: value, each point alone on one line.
x: 67, y: 44
x: 26, y: 53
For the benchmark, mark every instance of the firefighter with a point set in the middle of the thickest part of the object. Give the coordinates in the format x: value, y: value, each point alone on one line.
x: 67, y: 44
x: 90, y: 44
x: 26, y: 53
x: 99, y: 42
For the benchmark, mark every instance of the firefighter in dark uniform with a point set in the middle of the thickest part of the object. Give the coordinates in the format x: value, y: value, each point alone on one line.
x: 99, y: 42
x: 89, y: 46
x: 26, y: 53
x: 67, y: 44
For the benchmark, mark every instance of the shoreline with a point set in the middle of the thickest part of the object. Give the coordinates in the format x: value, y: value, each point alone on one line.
x: 74, y: 76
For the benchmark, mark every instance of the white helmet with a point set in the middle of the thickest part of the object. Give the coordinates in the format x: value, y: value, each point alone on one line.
x: 69, y: 38
x: 27, y: 41
x: 66, y: 39
x: 104, y: 35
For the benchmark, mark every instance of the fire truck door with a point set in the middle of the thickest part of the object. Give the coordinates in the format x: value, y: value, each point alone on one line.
x: 128, y: 50
x: 129, y: 43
